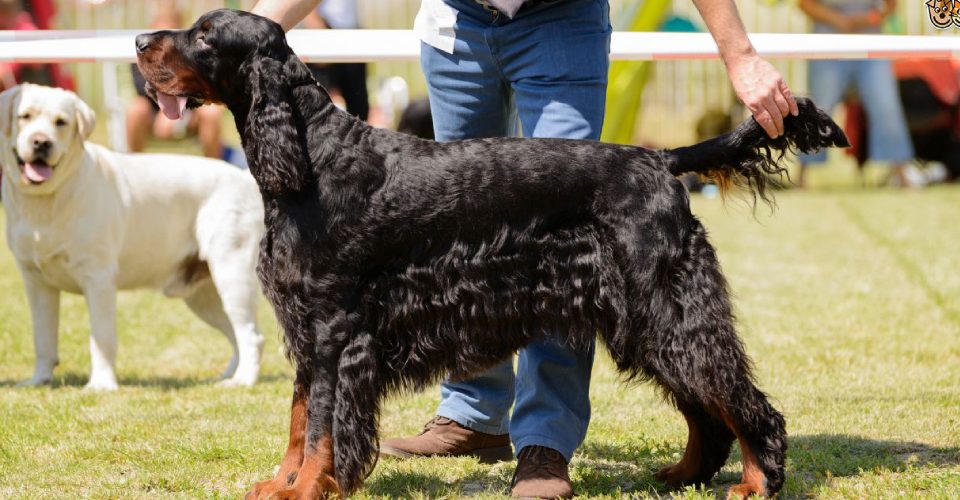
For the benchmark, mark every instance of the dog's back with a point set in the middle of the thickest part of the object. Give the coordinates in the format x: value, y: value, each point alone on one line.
x: 173, y: 208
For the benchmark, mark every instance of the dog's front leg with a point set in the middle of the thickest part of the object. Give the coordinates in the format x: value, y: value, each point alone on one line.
x: 45, y: 314
x: 315, y: 479
x: 293, y: 458
x: 101, y: 296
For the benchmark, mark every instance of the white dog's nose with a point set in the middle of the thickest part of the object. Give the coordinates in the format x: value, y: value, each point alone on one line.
x: 41, y: 143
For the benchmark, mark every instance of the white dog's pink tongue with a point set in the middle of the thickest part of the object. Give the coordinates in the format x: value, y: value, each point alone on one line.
x: 37, y: 173
x: 172, y: 106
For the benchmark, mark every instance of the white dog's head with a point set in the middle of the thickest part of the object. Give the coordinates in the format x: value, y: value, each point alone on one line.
x: 41, y: 129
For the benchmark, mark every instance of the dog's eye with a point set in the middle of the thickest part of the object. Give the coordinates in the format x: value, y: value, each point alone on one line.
x: 202, y: 42
x: 60, y: 122
x: 24, y: 116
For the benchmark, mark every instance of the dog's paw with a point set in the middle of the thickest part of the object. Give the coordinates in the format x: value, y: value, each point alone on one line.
x: 101, y: 385
x: 745, y: 490
x: 265, y: 489
x: 35, y: 381
x: 238, y: 382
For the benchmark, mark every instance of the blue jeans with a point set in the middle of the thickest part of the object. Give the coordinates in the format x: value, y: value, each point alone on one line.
x: 548, y: 67
x: 887, y: 133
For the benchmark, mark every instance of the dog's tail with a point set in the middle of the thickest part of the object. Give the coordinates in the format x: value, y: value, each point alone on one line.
x: 746, y: 156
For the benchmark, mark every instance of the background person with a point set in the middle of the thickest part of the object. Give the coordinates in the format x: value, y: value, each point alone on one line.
x: 349, y: 80
x: 544, y: 62
x: 14, y: 17
x: 889, y: 139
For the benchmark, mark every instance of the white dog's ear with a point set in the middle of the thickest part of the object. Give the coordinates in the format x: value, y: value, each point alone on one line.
x: 86, y: 118
x: 8, y: 100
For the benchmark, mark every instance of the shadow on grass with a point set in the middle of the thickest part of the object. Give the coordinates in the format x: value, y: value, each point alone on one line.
x: 813, y: 460
x: 817, y: 458
x: 403, y: 483
x: 165, y: 383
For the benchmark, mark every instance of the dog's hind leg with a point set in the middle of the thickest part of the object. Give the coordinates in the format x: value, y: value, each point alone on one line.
x: 708, y: 446
x: 682, y: 335
x: 237, y: 289
x: 205, y: 303
x: 703, y: 364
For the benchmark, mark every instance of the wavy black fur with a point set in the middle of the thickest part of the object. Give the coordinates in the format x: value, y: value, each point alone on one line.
x: 392, y: 261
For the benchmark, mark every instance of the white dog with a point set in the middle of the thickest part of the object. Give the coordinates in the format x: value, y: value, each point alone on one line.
x: 86, y: 220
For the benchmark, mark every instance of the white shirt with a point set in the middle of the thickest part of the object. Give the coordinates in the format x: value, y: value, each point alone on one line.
x: 435, y: 20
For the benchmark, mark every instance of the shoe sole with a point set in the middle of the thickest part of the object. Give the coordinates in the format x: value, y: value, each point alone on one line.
x: 484, y: 455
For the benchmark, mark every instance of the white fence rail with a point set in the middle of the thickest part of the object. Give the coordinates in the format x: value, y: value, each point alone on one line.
x: 668, y: 95
x: 392, y: 45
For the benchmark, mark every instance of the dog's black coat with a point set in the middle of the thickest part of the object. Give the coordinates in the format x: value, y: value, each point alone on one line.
x: 392, y: 261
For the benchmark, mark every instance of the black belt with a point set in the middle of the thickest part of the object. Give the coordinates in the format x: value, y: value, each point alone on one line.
x: 528, y: 3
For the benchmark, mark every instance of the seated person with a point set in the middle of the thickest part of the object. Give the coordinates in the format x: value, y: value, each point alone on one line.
x: 14, y: 17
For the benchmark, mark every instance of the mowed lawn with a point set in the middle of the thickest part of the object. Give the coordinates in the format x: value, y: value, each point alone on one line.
x: 848, y: 301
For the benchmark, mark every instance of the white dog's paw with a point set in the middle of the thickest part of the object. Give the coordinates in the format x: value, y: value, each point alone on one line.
x: 35, y: 381
x: 236, y: 381
x: 101, y: 385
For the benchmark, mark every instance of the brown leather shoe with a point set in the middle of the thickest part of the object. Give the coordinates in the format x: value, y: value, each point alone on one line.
x: 444, y: 437
x: 541, y: 473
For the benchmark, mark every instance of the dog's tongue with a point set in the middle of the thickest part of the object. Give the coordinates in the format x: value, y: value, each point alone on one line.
x: 172, y: 106
x: 37, y: 172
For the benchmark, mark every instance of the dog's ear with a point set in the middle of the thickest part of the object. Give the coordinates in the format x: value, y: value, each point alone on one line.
x: 86, y: 118
x: 8, y: 100
x: 276, y: 154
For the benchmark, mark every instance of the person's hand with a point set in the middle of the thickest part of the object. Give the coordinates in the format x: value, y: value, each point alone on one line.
x: 857, y: 23
x: 762, y: 90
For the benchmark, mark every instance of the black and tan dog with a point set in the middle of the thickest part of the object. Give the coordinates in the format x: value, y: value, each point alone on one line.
x: 392, y: 261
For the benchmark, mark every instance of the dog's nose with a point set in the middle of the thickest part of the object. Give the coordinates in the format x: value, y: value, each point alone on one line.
x: 41, y: 144
x: 143, y: 42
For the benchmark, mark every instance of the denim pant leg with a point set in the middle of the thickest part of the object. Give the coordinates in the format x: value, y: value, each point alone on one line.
x: 553, y: 408
x: 887, y: 126
x: 557, y: 62
x: 469, y: 99
x: 829, y: 80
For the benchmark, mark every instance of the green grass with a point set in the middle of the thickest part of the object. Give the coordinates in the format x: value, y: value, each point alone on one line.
x: 848, y: 300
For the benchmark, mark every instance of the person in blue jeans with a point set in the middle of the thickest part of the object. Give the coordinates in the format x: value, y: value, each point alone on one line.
x: 487, y: 64
x: 888, y: 136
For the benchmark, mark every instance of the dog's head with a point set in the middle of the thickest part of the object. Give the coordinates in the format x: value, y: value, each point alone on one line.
x: 41, y: 128
x: 209, y: 61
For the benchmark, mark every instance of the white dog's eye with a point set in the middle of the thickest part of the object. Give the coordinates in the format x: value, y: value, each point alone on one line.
x: 24, y: 116
x: 60, y: 122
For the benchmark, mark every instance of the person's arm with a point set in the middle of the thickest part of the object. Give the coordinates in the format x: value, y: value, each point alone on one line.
x: 314, y: 21
x: 286, y: 12
x: 755, y: 81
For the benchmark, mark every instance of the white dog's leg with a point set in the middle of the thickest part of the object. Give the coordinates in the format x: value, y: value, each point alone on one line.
x: 241, y: 310
x: 101, y: 295
x: 205, y: 303
x: 45, y: 313
x: 235, y: 280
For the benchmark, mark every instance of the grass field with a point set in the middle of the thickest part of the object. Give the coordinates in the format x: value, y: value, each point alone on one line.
x: 848, y: 300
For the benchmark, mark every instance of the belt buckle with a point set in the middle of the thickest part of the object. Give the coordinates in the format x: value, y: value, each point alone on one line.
x: 489, y: 8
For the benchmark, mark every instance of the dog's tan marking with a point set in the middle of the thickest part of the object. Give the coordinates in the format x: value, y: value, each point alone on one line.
x: 684, y: 471
x: 293, y: 458
x: 753, y: 481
